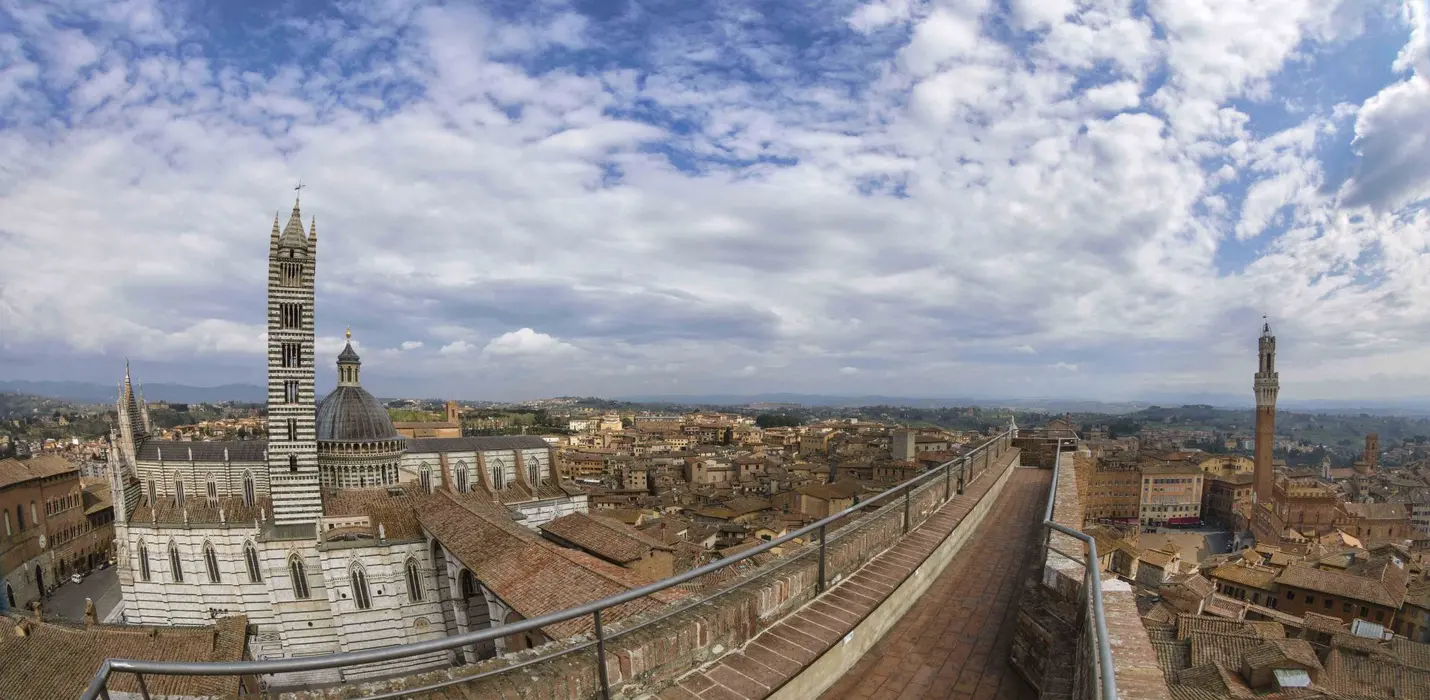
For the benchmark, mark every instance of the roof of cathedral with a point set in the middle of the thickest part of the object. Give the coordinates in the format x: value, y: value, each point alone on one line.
x: 533, y: 576
x: 213, y: 451
x: 69, y: 655
x: 351, y: 414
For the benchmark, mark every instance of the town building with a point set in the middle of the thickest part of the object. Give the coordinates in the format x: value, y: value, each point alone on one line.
x: 55, y: 524
x: 1171, y: 493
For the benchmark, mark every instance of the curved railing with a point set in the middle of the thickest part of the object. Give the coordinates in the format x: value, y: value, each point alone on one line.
x: 953, y: 472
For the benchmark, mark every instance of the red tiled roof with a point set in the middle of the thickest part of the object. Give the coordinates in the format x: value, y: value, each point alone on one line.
x: 16, y: 471
x: 533, y: 576
x: 56, y: 662
x: 606, y: 538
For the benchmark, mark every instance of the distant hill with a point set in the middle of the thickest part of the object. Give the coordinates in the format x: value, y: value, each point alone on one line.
x: 85, y: 392
x: 1392, y: 407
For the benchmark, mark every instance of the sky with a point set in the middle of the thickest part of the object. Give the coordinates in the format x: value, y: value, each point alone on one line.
x: 517, y: 199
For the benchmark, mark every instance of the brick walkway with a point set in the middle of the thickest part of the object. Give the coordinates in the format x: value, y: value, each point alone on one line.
x: 781, y: 651
x: 955, y: 641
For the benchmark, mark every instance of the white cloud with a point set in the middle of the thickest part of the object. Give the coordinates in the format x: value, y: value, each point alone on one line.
x: 848, y: 371
x: 456, y: 347
x: 526, y: 342
x: 915, y: 191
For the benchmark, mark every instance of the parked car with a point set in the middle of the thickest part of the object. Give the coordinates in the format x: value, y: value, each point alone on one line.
x: 76, y: 577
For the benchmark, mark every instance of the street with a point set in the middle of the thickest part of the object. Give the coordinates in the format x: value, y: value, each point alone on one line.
x: 67, y: 602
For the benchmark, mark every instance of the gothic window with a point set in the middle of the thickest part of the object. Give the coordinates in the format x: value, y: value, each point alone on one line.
x: 290, y: 391
x: 300, y: 577
x: 250, y: 558
x: 461, y: 477
x: 248, y: 495
x: 292, y: 429
x: 292, y: 354
x: 498, y: 475
x: 176, y: 571
x: 153, y: 497
x: 414, y: 582
x: 360, y: 594
x: 533, y: 472
x: 179, y: 491
x: 425, y: 474
x: 34, y: 514
x: 212, y: 490
x: 211, y: 562
x: 143, y: 553
x: 290, y: 315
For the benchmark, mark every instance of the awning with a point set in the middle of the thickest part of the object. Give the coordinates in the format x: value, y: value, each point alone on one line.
x: 1184, y: 521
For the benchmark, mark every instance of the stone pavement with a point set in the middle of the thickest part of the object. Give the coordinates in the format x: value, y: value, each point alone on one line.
x: 954, y: 642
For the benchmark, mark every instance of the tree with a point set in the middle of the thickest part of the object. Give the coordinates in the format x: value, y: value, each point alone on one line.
x: 776, y: 420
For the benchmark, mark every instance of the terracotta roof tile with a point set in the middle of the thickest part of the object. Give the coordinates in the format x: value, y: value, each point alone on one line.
x: 69, y: 655
x: 606, y: 538
x: 1346, y: 585
x: 15, y: 471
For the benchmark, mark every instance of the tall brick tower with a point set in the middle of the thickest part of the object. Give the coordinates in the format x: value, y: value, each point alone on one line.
x: 1266, y: 385
x: 292, y: 442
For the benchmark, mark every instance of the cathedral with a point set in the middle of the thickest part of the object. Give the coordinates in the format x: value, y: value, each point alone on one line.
x: 337, y: 533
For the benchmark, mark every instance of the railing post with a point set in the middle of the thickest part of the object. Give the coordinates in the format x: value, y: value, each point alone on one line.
x: 601, y: 659
x: 820, y: 587
x: 908, y: 492
x: 143, y: 687
x: 947, y: 471
x: 962, y: 474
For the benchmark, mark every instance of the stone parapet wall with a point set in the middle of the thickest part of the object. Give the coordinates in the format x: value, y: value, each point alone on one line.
x: 1054, y: 608
x: 646, y: 659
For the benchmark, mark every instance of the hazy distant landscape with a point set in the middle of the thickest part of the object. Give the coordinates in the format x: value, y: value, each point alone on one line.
x: 87, y: 392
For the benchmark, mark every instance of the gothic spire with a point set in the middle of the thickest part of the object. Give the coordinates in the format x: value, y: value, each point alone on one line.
x: 293, y: 233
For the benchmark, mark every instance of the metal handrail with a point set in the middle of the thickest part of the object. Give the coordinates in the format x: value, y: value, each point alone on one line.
x: 98, y: 686
x: 1092, y: 581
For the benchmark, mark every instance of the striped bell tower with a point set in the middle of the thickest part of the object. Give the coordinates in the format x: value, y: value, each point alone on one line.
x: 292, y: 442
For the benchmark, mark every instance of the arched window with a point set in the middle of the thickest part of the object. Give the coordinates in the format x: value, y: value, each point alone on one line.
x: 533, y: 472
x: 143, y: 553
x: 414, y: 582
x: 34, y: 514
x: 292, y: 463
x: 211, y: 562
x: 498, y: 475
x: 7, y: 523
x: 212, y: 488
x: 176, y: 571
x: 250, y: 557
x: 248, y: 495
x: 461, y: 477
x: 425, y: 474
x: 300, y: 577
x: 179, y: 491
x: 20, y: 516
x: 359, y: 581
x: 153, y: 497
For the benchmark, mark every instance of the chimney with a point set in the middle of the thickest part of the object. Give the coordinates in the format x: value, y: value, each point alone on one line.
x: 89, y: 616
x: 35, y: 606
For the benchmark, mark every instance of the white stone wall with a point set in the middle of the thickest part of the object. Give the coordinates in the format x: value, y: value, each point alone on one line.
x: 540, y: 461
x: 539, y: 513
x: 227, y: 476
x: 324, y: 623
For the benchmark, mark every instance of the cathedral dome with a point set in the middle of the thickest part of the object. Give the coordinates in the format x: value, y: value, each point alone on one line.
x: 351, y: 414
